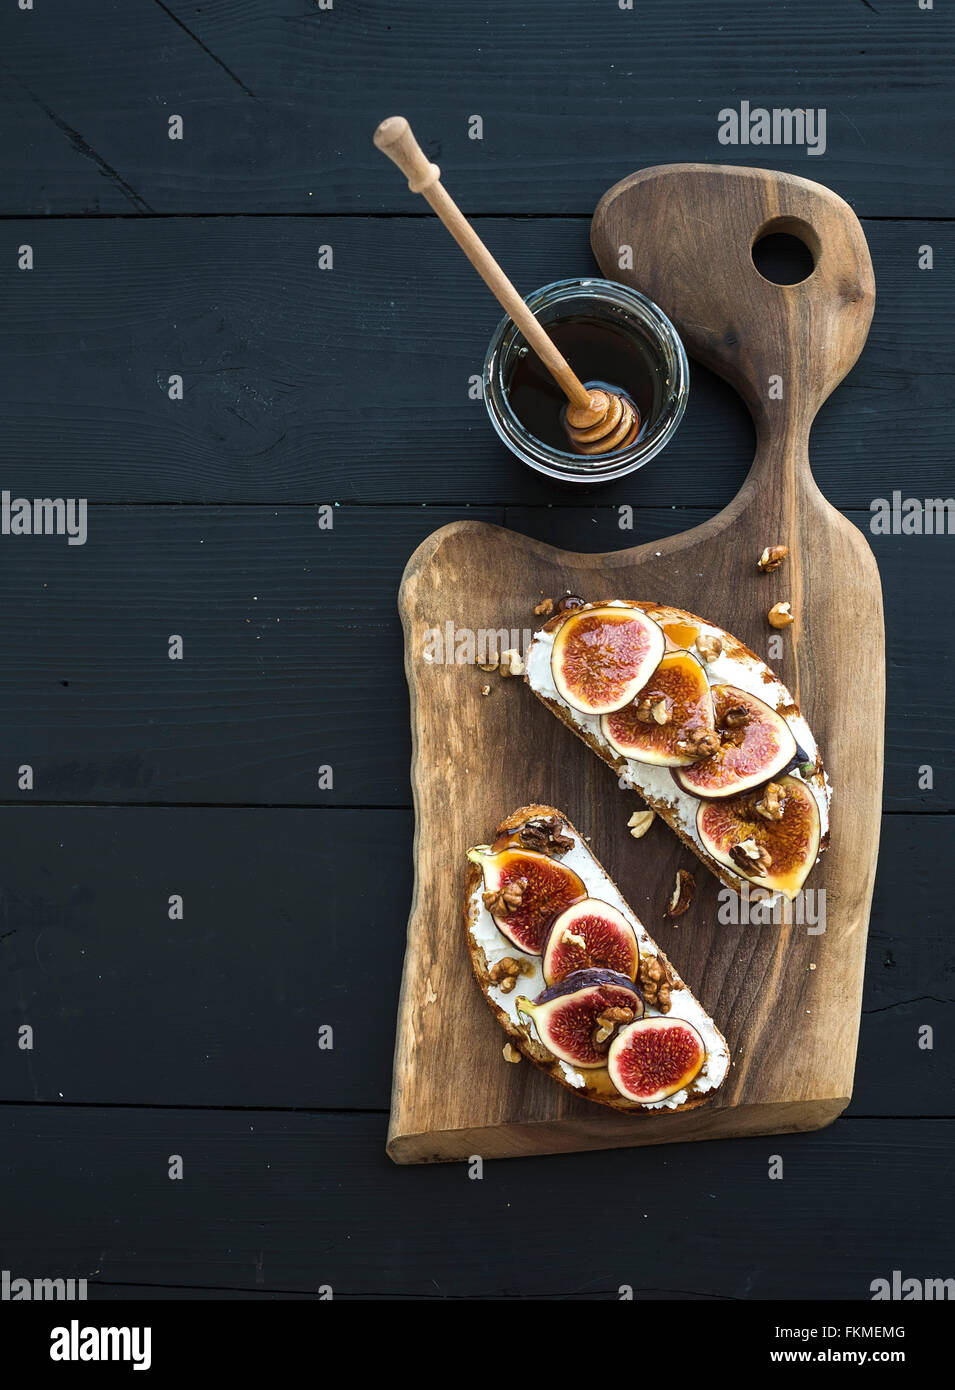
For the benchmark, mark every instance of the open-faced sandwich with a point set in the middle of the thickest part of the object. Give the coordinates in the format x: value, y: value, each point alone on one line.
x: 697, y: 724
x: 575, y: 979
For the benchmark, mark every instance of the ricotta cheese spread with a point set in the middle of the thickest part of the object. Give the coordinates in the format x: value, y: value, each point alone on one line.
x: 682, y: 1003
x: 656, y: 783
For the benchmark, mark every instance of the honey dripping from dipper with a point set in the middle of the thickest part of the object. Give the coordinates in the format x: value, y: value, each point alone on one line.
x: 606, y: 358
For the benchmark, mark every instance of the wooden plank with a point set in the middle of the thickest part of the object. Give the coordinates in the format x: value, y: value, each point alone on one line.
x: 288, y: 630
x: 279, y: 102
x: 284, y: 930
x: 276, y: 358
x: 292, y: 1202
x: 276, y: 686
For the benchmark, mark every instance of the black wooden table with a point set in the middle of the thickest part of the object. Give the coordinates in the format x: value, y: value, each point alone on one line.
x: 325, y: 331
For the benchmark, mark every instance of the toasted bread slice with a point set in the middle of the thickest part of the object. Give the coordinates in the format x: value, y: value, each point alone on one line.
x: 487, y: 946
x: 733, y: 665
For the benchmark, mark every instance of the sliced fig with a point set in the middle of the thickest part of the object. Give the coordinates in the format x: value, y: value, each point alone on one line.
x: 590, y: 935
x: 666, y: 722
x: 603, y: 655
x: 576, y: 1019
x: 756, y: 743
x: 527, y: 890
x: 775, y: 853
x: 653, y: 1058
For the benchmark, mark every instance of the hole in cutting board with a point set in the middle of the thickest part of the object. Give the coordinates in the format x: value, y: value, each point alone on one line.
x: 781, y: 256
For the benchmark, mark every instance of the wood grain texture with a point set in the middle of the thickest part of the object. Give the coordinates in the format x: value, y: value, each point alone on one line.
x: 87, y: 949
x: 258, y: 704
x: 289, y: 1202
x: 272, y: 611
x: 274, y: 354
x: 222, y: 1007
x: 792, y: 1032
x: 279, y: 101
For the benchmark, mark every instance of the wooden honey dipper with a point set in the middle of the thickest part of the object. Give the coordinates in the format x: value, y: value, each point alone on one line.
x: 596, y: 420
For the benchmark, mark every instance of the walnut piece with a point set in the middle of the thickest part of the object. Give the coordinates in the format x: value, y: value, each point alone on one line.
x: 507, y: 971
x: 654, y: 982
x: 511, y: 663
x: 547, y: 834
x: 661, y: 711
x: 640, y: 822
x: 506, y: 966
x: 485, y: 690
x: 609, y: 1020
x: 750, y: 857
x: 682, y: 894
x: 779, y: 615
x: 736, y: 717
x: 490, y: 665
x: 572, y: 938
x: 773, y: 802
x: 700, y: 743
x: 653, y: 711
x: 507, y: 899
x: 709, y: 648
x: 544, y: 608
x: 510, y: 1053
x: 772, y: 557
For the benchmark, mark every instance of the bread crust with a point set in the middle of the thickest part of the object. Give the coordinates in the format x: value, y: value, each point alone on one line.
x: 531, y: 1049
x: 734, y: 648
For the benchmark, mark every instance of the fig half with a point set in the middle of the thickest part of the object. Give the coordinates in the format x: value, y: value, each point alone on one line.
x: 576, y: 1019
x: 653, y: 1058
x: 665, y: 722
x: 524, y: 891
x: 603, y: 655
x: 756, y: 743
x: 776, y: 853
x: 590, y: 935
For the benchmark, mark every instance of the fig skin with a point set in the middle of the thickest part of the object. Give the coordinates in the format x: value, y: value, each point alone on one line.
x: 767, y: 746
x: 565, y: 1015
x: 551, y: 887
x: 653, y: 1058
x: 792, y: 843
x: 603, y: 655
x: 681, y: 680
x: 611, y: 942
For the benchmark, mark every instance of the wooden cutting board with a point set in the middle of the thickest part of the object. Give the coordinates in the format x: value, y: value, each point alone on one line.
x: 787, y: 998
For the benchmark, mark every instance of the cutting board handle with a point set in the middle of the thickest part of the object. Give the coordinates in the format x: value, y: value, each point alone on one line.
x: 690, y: 230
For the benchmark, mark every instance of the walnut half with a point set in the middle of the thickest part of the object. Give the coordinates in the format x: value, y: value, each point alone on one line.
x: 708, y: 647
x: 780, y: 615
x: 772, y: 557
x: 700, y: 743
x: 682, y: 894
x: 750, y: 857
x: 547, y: 834
x: 772, y: 803
x: 506, y: 899
x: 654, y: 983
x: 609, y: 1020
x: 507, y: 971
